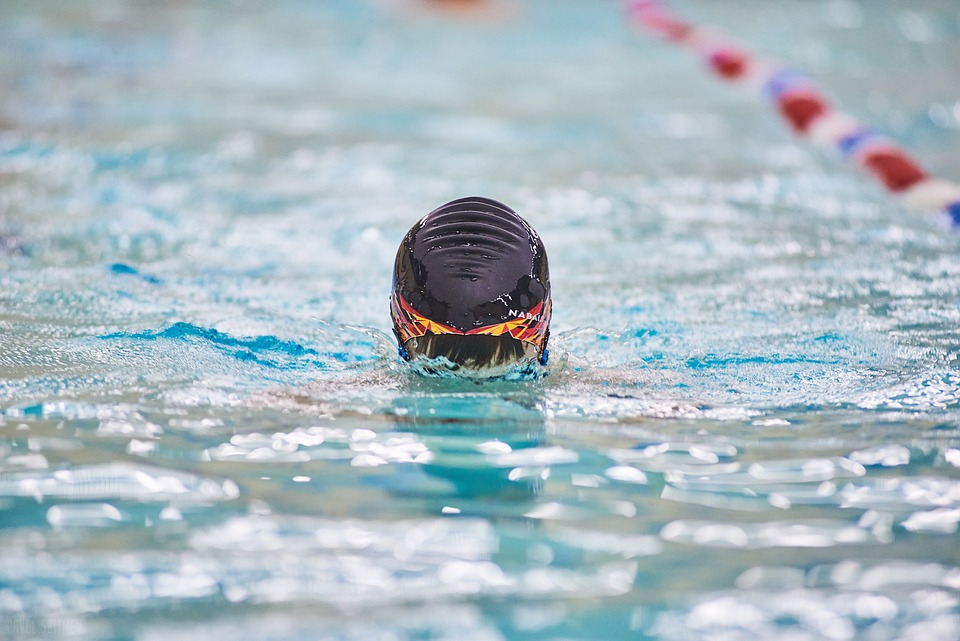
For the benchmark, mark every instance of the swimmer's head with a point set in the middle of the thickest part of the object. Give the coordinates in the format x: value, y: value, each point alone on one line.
x: 471, y: 285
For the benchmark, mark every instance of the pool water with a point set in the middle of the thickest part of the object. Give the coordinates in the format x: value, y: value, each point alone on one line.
x: 750, y: 426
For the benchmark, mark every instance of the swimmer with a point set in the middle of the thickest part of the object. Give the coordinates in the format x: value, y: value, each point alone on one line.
x: 471, y: 290
x: 457, y: 4
x: 463, y: 7
x: 483, y: 10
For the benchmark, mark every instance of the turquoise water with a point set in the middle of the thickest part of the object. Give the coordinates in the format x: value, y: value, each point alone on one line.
x: 749, y: 427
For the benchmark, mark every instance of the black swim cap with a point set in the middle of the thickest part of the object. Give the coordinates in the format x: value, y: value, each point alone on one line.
x: 471, y: 283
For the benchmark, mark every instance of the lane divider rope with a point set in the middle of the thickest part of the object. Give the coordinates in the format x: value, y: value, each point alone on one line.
x: 801, y: 103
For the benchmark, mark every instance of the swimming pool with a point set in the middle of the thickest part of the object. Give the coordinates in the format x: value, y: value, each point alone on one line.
x: 749, y: 427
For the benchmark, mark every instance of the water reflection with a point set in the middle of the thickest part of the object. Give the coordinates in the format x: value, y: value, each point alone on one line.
x: 487, y: 438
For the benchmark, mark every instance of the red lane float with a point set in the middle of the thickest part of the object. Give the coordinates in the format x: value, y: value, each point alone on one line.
x: 802, y: 105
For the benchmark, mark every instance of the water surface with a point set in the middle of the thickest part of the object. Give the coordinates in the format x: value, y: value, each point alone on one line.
x: 749, y: 428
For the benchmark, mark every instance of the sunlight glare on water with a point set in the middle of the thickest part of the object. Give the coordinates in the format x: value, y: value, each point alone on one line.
x: 749, y: 425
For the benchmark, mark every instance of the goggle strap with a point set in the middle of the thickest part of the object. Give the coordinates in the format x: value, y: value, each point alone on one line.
x: 532, y: 327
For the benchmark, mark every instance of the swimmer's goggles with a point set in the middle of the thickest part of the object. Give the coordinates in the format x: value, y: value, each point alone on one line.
x: 530, y: 327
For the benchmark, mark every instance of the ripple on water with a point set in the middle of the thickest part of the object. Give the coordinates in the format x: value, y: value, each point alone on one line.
x: 439, y: 620
x: 119, y: 481
x: 787, y: 534
x: 893, y: 600
x: 361, y: 446
x: 279, y: 559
